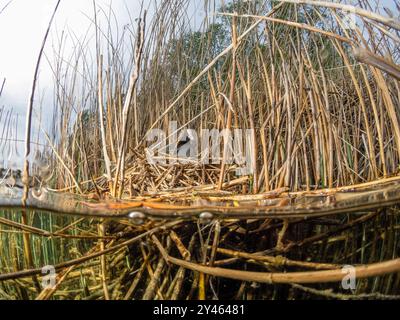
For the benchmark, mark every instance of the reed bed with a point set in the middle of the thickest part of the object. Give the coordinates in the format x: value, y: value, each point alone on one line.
x: 322, y: 97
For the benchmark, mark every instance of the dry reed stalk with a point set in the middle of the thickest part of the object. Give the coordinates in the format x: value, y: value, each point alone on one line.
x: 230, y: 107
x: 26, y: 237
x: 127, y: 106
x: 390, y: 22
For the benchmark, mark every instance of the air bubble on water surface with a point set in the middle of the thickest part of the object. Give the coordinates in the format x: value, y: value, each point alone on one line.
x: 137, y: 218
x: 39, y: 194
x: 206, y: 217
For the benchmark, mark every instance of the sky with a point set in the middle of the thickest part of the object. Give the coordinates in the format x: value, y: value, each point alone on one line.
x: 22, y: 27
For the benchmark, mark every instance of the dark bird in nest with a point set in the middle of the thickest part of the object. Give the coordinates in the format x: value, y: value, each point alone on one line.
x: 184, y: 139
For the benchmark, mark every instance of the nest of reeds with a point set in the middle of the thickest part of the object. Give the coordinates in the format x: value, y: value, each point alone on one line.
x: 322, y: 97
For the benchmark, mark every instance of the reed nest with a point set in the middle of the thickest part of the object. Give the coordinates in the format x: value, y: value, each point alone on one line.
x: 323, y: 100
